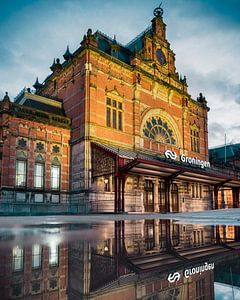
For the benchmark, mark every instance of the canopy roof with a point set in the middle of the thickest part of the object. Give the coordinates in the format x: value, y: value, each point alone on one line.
x: 140, y: 163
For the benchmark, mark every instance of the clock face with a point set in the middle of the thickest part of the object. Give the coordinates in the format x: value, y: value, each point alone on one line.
x: 161, y: 57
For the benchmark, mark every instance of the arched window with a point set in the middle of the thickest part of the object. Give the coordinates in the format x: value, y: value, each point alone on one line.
x: 39, y: 172
x: 21, y: 169
x: 159, y: 130
x: 55, y: 173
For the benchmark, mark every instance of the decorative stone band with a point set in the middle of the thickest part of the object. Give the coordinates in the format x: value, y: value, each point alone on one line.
x: 194, y: 161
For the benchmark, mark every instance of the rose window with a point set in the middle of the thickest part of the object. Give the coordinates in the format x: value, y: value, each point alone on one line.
x: 159, y: 130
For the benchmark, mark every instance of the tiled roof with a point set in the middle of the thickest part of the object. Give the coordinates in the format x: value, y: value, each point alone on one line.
x: 44, y: 107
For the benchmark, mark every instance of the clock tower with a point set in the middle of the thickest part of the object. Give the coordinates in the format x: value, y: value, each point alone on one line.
x: 162, y: 53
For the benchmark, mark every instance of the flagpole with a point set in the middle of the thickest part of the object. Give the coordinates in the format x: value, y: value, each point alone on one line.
x: 225, y: 152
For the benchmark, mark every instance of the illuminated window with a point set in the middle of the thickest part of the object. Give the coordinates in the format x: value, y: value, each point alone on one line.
x: 21, y: 172
x: 114, y: 114
x: 38, y: 175
x: 195, y: 140
x: 149, y: 234
x: 53, y: 255
x: 148, y: 196
x: 159, y: 130
x: 196, y: 190
x: 55, y: 173
x: 36, y: 256
x: 17, y: 259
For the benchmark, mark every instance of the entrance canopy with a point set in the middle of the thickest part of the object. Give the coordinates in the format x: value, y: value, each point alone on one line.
x: 138, y: 163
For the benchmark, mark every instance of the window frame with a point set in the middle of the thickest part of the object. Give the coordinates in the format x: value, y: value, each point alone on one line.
x: 50, y: 254
x: 59, y: 176
x: 114, y: 113
x: 37, y: 255
x: 195, y: 138
x: 15, y: 258
x: 24, y: 161
x: 40, y: 176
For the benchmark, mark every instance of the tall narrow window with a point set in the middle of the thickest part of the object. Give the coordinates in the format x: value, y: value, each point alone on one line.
x: 53, y: 255
x: 161, y: 196
x: 36, y: 256
x: 21, y: 171
x: 17, y: 259
x: 38, y: 175
x: 148, y: 196
x: 114, y: 114
x: 200, y: 289
x: 195, y: 140
x: 55, y: 177
x: 114, y: 118
x: 120, y: 120
x: 108, y: 117
x: 149, y: 234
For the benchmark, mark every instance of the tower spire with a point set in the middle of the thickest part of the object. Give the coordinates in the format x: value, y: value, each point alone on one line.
x: 158, y: 11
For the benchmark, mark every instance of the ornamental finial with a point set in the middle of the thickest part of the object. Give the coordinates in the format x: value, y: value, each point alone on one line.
x: 158, y: 12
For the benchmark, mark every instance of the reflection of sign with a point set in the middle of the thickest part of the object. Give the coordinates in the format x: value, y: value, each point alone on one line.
x: 198, y: 270
x: 170, y: 154
x: 173, y: 277
x: 189, y: 160
x: 192, y: 271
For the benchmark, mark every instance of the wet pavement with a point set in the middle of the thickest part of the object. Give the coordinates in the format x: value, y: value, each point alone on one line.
x: 129, y: 256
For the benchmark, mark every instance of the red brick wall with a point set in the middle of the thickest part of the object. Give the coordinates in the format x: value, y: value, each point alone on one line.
x: 34, y: 132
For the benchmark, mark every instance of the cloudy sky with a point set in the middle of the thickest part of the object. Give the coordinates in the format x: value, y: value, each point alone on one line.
x: 205, y: 35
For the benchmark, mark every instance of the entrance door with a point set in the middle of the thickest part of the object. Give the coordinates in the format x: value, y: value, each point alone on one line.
x: 149, y: 196
x: 174, y: 198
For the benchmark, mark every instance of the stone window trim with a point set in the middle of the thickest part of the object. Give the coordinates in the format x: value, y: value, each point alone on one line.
x: 40, y: 159
x: 36, y: 287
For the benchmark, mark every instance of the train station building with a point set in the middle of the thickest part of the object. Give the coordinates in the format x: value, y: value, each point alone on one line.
x: 128, y: 135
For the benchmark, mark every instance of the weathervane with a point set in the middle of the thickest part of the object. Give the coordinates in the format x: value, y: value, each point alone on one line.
x: 158, y: 12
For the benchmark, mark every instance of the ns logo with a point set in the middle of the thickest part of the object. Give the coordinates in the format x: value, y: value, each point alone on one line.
x: 173, y: 277
x: 170, y: 154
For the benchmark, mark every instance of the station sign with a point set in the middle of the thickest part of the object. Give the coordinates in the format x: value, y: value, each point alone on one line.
x: 174, y: 277
x: 186, y: 159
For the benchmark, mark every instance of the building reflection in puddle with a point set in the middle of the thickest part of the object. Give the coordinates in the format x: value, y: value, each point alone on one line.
x: 145, y: 259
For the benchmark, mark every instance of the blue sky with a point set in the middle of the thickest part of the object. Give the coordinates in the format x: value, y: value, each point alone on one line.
x: 205, y: 35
